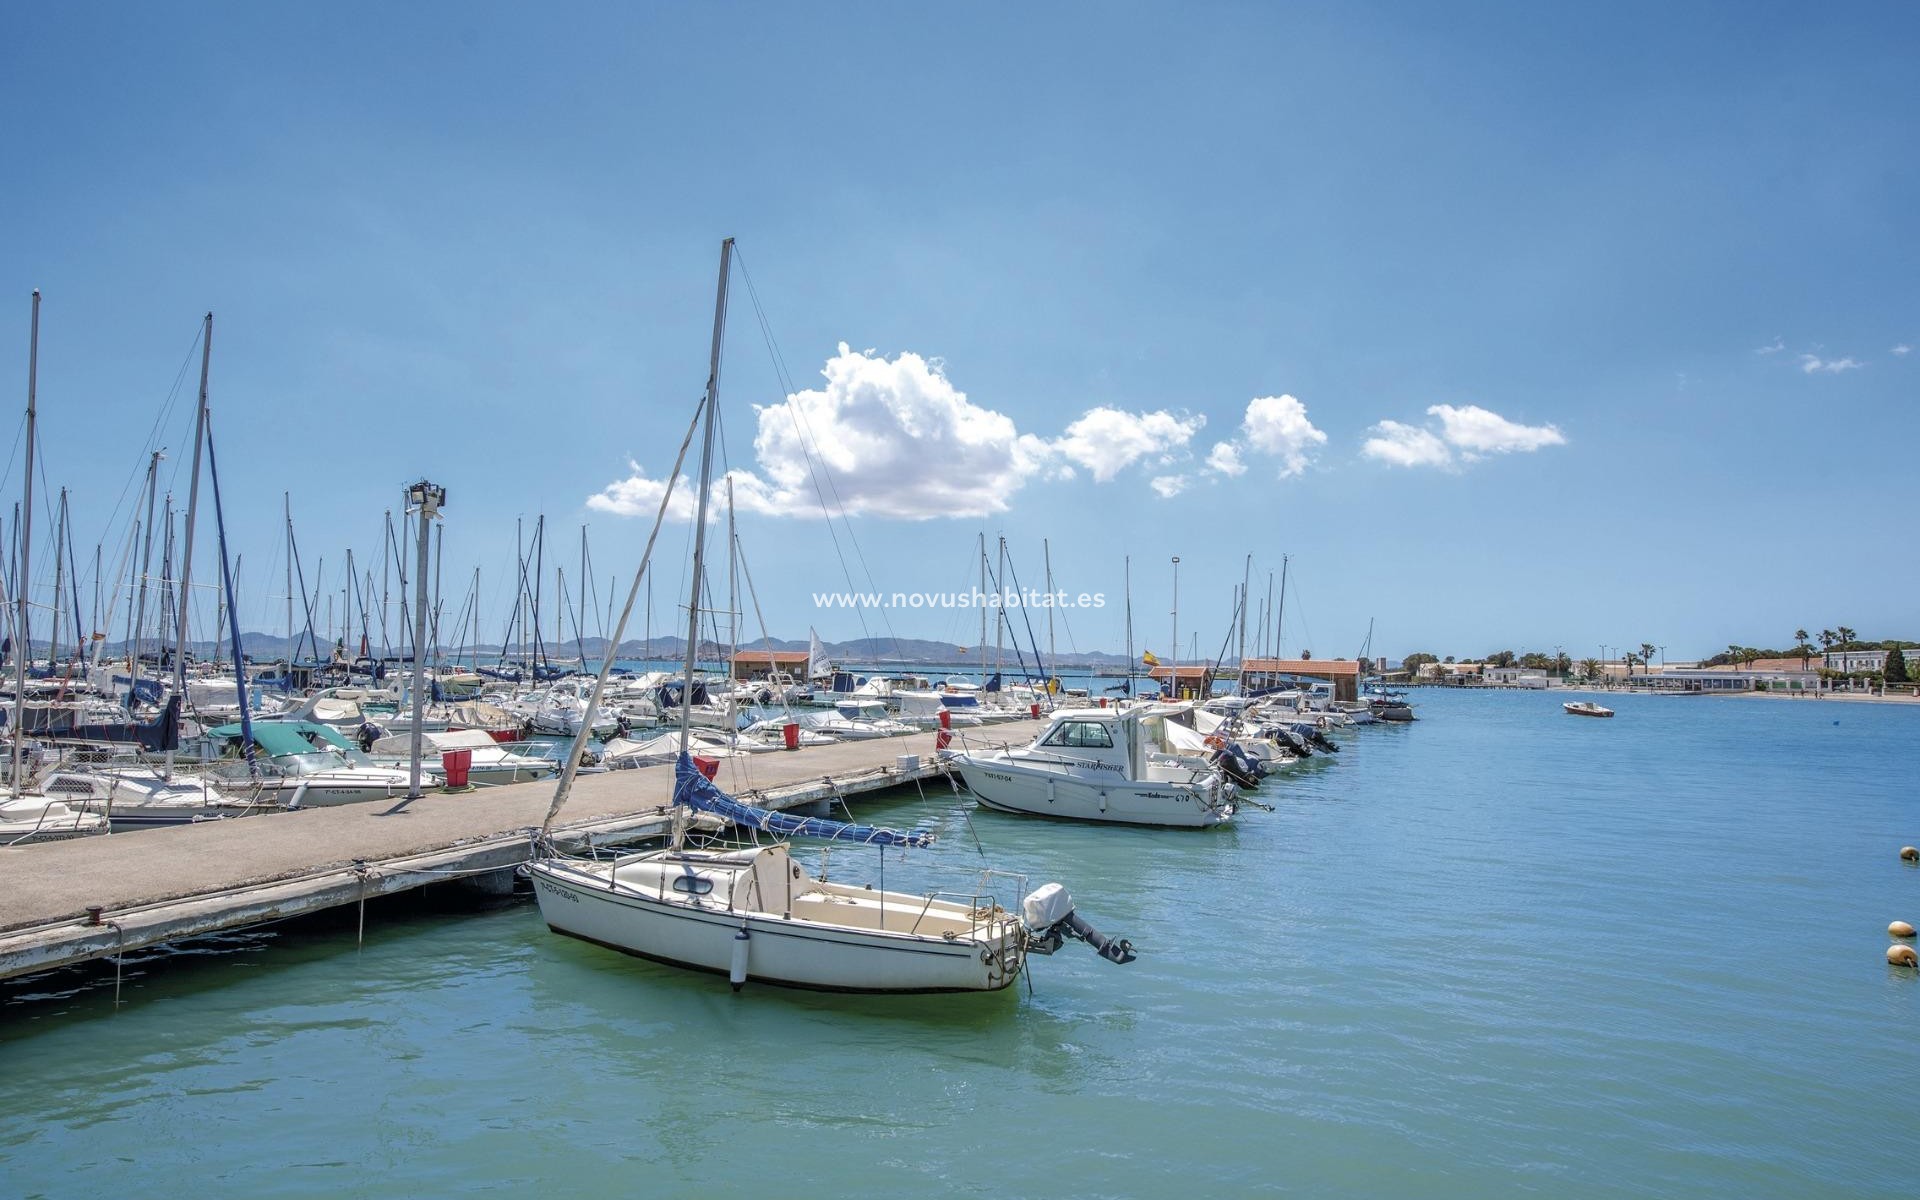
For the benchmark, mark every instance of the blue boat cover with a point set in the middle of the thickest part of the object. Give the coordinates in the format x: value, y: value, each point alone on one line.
x: 697, y: 792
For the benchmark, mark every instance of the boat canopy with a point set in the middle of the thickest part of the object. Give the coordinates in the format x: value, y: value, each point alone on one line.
x: 275, y: 738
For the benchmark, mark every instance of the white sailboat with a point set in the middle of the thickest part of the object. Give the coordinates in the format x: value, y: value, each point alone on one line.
x: 754, y: 913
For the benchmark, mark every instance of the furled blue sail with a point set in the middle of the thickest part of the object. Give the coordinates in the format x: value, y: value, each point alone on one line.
x: 696, y: 791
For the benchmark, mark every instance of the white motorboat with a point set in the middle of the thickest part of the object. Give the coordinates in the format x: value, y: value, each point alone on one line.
x: 1102, y: 764
x: 133, y: 795
x: 1586, y: 708
x: 304, y: 764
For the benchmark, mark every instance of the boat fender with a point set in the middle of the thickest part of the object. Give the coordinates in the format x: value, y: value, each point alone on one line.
x: 1902, y: 956
x: 1900, y: 929
x: 737, y: 968
x: 1216, y: 742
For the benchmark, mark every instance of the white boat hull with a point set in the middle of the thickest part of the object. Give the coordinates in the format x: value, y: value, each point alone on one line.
x: 578, y: 902
x: 1016, y: 788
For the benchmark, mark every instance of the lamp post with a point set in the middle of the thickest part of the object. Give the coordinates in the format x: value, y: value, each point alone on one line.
x: 424, y: 499
x: 1173, y: 669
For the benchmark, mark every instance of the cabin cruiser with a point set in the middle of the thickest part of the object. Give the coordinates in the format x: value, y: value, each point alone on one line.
x: 858, y: 720
x: 304, y: 764
x: 1103, y: 764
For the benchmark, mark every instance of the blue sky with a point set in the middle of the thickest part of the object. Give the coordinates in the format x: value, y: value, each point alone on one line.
x: 1588, y: 320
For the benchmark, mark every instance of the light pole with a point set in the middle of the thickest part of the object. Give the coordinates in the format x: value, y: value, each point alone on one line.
x: 425, y: 499
x: 1173, y: 668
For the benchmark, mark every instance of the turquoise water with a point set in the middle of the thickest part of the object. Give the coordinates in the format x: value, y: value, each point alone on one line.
x: 1502, y: 951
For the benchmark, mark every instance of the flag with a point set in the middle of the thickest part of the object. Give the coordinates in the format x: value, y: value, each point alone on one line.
x: 1146, y: 656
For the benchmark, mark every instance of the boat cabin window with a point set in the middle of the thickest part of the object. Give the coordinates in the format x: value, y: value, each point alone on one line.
x: 1086, y: 735
x: 692, y: 885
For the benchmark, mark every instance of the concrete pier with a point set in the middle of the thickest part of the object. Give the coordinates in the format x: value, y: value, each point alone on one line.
x: 163, y: 885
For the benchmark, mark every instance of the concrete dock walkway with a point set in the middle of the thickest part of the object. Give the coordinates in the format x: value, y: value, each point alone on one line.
x: 161, y: 885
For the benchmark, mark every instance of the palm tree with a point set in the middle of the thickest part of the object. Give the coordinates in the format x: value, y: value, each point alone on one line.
x: 1646, y: 654
x: 1590, y: 667
x: 1800, y: 644
x: 1845, y: 635
x: 1827, y: 639
x: 1734, y: 651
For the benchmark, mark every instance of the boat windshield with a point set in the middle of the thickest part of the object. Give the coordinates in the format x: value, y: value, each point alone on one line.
x: 315, y: 763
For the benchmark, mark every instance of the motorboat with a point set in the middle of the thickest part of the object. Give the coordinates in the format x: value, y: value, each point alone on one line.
x: 31, y: 818
x: 303, y: 764
x: 1586, y: 708
x: 115, y: 783
x: 1102, y: 764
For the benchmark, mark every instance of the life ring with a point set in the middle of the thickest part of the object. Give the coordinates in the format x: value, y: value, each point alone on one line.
x: 1216, y: 742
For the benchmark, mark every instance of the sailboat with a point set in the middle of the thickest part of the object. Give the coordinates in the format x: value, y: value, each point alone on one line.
x: 754, y: 913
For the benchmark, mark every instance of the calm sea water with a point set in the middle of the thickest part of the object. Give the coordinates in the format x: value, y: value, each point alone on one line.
x: 1502, y: 951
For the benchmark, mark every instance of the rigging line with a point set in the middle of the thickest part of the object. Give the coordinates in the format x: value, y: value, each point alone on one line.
x: 159, y: 421
x: 805, y: 435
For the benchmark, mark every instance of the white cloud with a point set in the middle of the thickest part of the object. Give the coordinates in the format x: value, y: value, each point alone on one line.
x: 1902, y: 350
x: 1278, y: 425
x: 1811, y: 364
x: 1406, y: 446
x: 1466, y: 434
x: 1225, y: 459
x: 1169, y: 486
x: 1773, y: 347
x: 894, y: 438
x: 1474, y: 431
x: 1106, y: 441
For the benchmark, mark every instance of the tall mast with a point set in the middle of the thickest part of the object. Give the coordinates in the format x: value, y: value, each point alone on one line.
x: 733, y: 594
x: 59, y: 579
x: 1000, y: 610
x: 1246, y: 585
x: 286, y: 508
x: 24, y: 523
x: 1046, y: 552
x: 193, y: 503
x: 1280, y: 616
x: 983, y: 608
x: 706, y: 477
x: 1128, y: 585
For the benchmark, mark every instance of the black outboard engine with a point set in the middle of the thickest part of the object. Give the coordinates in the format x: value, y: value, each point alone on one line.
x: 1051, y: 921
x: 1322, y: 741
x: 1238, y: 765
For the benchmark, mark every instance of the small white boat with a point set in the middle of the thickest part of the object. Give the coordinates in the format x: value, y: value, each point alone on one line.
x: 1586, y: 708
x: 28, y: 818
x: 491, y: 764
x: 1102, y: 764
x: 755, y: 914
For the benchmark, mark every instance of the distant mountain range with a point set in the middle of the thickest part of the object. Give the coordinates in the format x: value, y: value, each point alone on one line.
x: 861, y: 652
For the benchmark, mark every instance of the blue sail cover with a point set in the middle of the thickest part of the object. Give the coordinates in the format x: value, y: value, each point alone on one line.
x: 697, y: 792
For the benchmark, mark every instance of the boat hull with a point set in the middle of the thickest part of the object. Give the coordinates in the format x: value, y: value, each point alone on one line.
x: 787, y: 953
x: 1016, y: 789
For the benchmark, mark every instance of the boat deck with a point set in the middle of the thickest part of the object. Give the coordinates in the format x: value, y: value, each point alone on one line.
x: 161, y: 885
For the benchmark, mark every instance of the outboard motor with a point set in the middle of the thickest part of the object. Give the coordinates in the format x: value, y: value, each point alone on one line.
x: 1322, y: 741
x: 1051, y: 921
x: 1238, y: 765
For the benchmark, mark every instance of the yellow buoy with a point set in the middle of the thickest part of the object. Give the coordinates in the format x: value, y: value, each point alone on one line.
x: 1900, y: 929
x: 1909, y: 854
x: 1902, y: 956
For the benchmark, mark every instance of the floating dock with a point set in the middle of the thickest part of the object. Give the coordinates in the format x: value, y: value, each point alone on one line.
x: 96, y: 897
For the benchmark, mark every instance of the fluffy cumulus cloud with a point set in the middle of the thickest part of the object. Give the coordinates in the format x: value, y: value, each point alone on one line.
x: 895, y: 438
x: 1275, y: 426
x: 1813, y: 364
x: 1169, y: 486
x: 1106, y: 441
x: 1225, y: 459
x: 1278, y: 426
x: 1465, y: 434
x: 1902, y: 350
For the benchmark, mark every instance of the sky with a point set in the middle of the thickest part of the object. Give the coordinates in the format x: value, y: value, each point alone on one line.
x: 1508, y: 325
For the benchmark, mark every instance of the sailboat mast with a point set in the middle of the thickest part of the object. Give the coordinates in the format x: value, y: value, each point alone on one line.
x: 1280, y: 616
x: 1127, y: 584
x: 186, y: 549
x: 24, y: 523
x: 706, y: 477
x: 59, y: 579
x: 983, y: 608
x: 1046, y: 551
x: 1000, y: 609
x: 1246, y: 585
x: 286, y: 508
